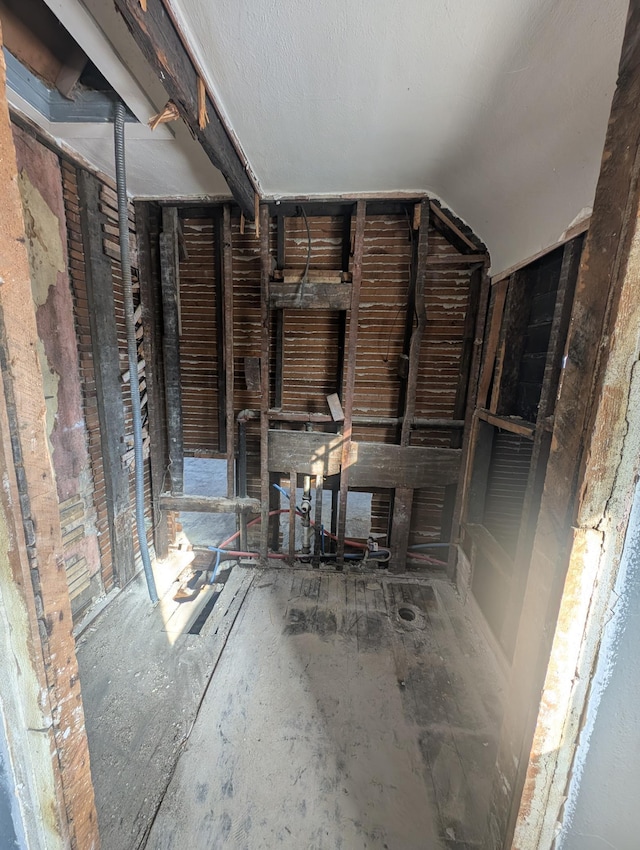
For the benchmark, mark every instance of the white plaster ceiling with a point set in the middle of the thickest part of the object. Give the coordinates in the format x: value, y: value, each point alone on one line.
x: 499, y: 107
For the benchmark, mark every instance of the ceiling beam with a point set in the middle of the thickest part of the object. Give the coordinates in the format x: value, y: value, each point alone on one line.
x: 164, y: 49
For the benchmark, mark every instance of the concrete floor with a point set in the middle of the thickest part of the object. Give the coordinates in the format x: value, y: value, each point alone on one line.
x: 307, y: 713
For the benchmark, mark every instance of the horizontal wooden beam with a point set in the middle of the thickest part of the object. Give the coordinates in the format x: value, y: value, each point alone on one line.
x: 162, y: 45
x: 382, y: 465
x: 310, y: 296
x: 308, y: 452
x: 456, y: 259
x: 514, y: 424
x: 312, y: 276
x: 208, y: 504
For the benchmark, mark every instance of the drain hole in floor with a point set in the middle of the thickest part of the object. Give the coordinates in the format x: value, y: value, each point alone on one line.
x: 407, y: 614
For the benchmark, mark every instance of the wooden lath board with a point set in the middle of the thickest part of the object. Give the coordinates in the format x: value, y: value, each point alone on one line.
x: 198, y: 349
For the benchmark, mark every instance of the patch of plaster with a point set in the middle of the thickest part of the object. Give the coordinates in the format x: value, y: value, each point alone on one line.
x: 46, y: 261
x: 25, y: 712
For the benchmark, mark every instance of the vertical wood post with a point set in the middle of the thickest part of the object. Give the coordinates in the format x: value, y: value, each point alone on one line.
x: 152, y: 344
x: 221, y: 331
x: 265, y: 313
x: 403, y: 497
x: 104, y: 346
x: 350, y: 376
x: 470, y: 430
x: 171, y: 345
x: 227, y: 329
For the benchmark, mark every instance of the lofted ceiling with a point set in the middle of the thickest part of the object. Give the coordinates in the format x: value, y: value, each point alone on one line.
x: 499, y: 107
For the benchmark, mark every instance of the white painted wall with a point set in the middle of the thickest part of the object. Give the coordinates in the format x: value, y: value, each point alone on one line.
x: 499, y: 107
x: 602, y: 809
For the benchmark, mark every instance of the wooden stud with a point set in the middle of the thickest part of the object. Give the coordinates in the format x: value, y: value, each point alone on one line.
x: 403, y: 498
x: 203, y: 117
x: 171, y: 345
x: 265, y: 267
x: 470, y: 429
x: 317, y: 535
x: 499, y: 293
x: 293, y: 481
x: 105, y: 350
x: 148, y: 268
x: 511, y: 346
x: 350, y: 376
x: 221, y: 330
x: 227, y: 329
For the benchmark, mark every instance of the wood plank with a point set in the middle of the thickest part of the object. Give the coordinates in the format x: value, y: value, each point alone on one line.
x: 318, y: 276
x: 265, y: 401
x: 511, y: 347
x: 450, y: 225
x: 309, y: 452
x: 513, y: 424
x: 403, y: 497
x: 149, y: 296
x: 310, y: 296
x: 171, y: 345
x: 491, y: 347
x: 227, y: 329
x: 167, y: 53
x: 317, y: 530
x: 220, y: 331
x: 40, y: 677
x: 350, y: 374
x: 456, y: 259
x: 208, y: 504
x: 384, y: 465
x: 105, y: 350
x: 470, y: 429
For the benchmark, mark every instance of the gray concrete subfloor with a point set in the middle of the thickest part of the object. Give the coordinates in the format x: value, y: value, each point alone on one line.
x: 308, y: 713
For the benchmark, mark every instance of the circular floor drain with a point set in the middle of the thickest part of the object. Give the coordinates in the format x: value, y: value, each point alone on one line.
x: 406, y: 614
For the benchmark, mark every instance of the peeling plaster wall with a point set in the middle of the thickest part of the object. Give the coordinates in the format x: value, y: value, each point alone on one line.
x: 41, y: 191
x: 602, y: 806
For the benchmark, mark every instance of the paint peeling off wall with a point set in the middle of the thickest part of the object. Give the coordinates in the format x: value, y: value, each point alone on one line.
x: 40, y: 184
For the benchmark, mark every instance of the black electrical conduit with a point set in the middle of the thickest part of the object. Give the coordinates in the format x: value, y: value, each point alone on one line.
x: 132, y: 348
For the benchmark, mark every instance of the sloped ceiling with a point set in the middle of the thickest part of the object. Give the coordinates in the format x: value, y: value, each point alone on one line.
x: 498, y: 107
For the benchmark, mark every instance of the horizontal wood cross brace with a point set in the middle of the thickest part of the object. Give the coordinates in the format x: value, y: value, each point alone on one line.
x: 208, y: 504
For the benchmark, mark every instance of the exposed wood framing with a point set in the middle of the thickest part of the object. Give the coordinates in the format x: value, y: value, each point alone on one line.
x: 542, y: 437
x: 265, y: 273
x: 209, y: 504
x: 171, y: 345
x: 33, y: 583
x: 511, y: 345
x: 104, y: 345
x: 293, y: 481
x: 149, y: 273
x: 403, y: 497
x: 310, y: 295
x: 157, y: 36
x: 591, y: 473
x: 514, y: 424
x: 491, y: 345
x: 227, y: 329
x: 221, y: 331
x: 350, y: 374
x: 470, y: 422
